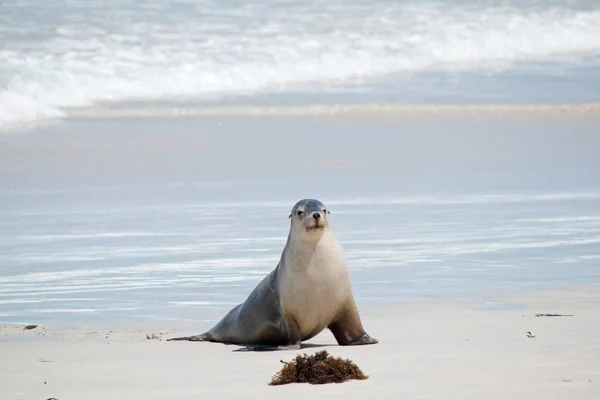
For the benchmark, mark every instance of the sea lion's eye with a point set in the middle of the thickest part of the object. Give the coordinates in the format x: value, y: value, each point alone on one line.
x: 299, y: 212
x: 325, y: 211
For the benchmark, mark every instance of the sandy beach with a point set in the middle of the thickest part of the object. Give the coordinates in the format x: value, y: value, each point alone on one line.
x: 429, y: 350
x: 151, y: 153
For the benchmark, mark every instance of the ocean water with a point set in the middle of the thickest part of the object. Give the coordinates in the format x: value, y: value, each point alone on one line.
x: 99, y: 225
x: 57, y: 56
x: 66, y: 260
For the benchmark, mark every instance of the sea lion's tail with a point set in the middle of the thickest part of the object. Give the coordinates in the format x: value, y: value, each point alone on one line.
x: 203, y: 337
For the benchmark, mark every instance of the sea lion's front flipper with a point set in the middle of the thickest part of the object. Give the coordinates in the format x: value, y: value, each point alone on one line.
x: 364, y: 339
x: 348, y: 329
x: 203, y: 337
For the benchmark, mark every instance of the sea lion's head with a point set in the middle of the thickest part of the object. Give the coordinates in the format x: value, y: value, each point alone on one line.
x: 309, y: 215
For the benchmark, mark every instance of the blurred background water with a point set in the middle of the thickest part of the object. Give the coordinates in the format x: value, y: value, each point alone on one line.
x: 80, y: 53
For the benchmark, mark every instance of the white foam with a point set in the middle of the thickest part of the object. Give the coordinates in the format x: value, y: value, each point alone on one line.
x: 201, y: 48
x: 170, y: 110
x: 416, y: 200
x: 201, y: 303
x: 562, y: 219
x: 64, y: 310
x: 100, y: 235
x: 19, y: 107
x: 210, y: 266
x: 49, y: 300
x: 496, y: 247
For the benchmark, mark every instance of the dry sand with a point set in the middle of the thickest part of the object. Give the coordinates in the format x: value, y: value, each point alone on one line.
x: 429, y: 350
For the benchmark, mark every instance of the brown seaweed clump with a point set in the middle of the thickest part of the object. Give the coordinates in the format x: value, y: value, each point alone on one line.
x: 317, y: 369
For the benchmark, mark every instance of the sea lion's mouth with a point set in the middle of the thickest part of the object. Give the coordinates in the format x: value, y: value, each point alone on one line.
x: 315, y: 227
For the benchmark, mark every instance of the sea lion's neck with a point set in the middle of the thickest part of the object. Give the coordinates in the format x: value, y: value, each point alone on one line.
x: 303, y: 248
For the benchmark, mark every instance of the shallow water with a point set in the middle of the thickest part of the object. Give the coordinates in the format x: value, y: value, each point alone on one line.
x: 129, y: 220
x: 77, y: 53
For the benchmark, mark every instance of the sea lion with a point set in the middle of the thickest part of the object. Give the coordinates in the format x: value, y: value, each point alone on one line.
x: 307, y: 292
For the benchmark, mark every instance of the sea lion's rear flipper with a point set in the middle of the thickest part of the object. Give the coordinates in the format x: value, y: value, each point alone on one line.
x: 348, y: 329
x: 203, y: 337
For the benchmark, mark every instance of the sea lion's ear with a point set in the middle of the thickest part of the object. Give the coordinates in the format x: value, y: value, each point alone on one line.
x: 290, y: 216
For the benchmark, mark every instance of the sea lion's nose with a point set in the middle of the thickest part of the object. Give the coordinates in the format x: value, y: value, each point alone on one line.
x: 316, y: 215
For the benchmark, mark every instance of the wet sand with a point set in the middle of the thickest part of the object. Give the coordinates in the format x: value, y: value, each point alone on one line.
x: 411, y: 148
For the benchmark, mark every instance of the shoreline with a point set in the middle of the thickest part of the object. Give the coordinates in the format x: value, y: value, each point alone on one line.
x: 208, y: 314
x: 497, y: 301
x: 184, y: 110
x: 174, y: 110
x: 425, y: 351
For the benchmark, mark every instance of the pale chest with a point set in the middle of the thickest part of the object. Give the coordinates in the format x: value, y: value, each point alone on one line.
x: 313, y: 292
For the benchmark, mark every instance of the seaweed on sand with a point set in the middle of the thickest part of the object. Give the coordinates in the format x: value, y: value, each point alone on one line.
x: 317, y: 369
